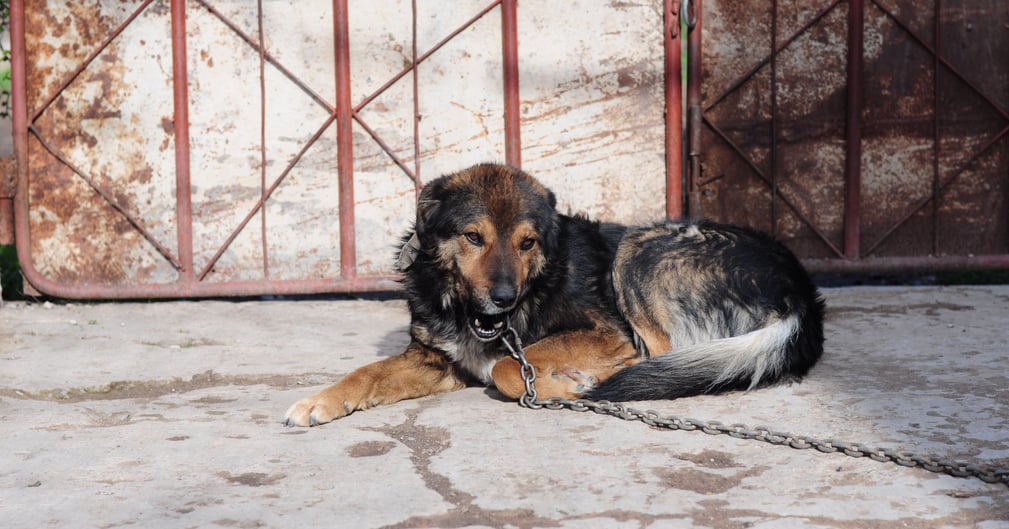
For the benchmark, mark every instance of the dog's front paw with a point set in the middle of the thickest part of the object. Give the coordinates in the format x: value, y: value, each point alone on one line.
x: 318, y: 409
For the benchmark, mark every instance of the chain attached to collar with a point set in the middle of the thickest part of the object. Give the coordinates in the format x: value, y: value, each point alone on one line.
x: 529, y: 399
x: 958, y: 469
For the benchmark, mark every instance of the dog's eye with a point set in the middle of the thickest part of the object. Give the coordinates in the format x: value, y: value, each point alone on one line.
x: 474, y: 238
x: 527, y: 244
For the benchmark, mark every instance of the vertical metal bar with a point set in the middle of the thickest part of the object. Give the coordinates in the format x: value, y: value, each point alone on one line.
x: 19, y: 126
x: 262, y: 138
x: 674, y: 110
x: 774, y: 117
x: 183, y: 195
x: 694, y: 111
x: 937, y: 9
x: 416, y: 103
x: 853, y: 137
x: 344, y: 140
x: 510, y: 60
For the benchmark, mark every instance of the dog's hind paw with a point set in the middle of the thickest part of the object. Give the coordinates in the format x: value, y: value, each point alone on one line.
x: 562, y: 381
x: 582, y: 383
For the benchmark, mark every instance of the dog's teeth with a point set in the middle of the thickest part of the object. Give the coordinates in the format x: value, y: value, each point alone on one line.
x: 476, y: 322
x: 498, y: 325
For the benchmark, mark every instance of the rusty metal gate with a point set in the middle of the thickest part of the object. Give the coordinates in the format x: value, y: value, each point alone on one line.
x: 867, y: 134
x: 172, y: 148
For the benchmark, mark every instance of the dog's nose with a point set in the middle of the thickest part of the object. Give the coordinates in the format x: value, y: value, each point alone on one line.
x: 503, y: 296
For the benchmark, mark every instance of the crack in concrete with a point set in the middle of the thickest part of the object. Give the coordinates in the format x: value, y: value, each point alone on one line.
x: 426, y: 442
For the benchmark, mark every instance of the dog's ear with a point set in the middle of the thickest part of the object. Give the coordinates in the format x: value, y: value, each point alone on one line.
x: 428, y: 205
x: 551, y: 233
x: 408, y: 253
x: 551, y: 199
x: 427, y: 210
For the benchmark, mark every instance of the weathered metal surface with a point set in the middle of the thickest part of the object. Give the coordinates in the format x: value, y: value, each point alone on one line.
x: 593, y: 104
x: 860, y: 131
x: 205, y: 147
x: 97, y: 79
x: 774, y: 122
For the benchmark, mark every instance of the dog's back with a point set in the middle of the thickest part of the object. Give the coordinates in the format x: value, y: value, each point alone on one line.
x: 717, y: 307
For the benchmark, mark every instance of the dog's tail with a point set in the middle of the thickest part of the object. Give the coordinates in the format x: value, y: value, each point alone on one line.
x: 760, y: 357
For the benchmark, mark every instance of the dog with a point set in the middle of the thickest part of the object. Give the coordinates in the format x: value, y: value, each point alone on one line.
x: 608, y: 312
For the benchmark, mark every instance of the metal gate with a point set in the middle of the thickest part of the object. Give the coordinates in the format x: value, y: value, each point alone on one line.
x: 171, y: 148
x: 866, y: 134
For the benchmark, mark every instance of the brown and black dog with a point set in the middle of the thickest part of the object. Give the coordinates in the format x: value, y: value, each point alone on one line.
x: 607, y: 312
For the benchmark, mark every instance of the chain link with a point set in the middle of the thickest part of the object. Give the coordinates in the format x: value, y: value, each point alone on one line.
x: 959, y: 469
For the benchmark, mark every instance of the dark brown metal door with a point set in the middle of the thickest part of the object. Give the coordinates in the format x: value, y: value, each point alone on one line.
x: 867, y: 135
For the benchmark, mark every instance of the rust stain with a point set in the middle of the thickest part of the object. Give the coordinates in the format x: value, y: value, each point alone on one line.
x: 77, y: 236
x: 370, y: 448
x: 58, y: 38
x: 252, y: 479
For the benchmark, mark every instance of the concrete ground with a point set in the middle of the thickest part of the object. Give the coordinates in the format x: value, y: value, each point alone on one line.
x: 169, y: 415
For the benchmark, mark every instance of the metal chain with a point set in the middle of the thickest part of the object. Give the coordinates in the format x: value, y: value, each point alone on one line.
x: 959, y: 469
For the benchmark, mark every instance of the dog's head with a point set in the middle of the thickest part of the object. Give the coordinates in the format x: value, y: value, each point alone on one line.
x: 491, y: 229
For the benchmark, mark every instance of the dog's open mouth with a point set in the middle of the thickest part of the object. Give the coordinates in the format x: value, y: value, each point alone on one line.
x: 487, y: 327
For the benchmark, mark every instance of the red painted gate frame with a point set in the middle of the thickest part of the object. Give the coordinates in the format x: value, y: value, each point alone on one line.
x: 190, y: 281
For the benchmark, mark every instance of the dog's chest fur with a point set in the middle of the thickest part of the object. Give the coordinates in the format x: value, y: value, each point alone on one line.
x: 471, y: 355
x: 474, y: 356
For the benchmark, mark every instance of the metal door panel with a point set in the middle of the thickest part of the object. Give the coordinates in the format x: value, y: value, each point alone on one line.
x: 867, y: 135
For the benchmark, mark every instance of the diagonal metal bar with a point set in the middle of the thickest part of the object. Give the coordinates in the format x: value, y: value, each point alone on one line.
x: 770, y: 59
x: 264, y: 197
x: 417, y: 59
x: 136, y: 223
x: 998, y: 108
x: 388, y: 150
x: 260, y: 49
x: 87, y: 61
x: 778, y: 49
x: 414, y: 174
x: 756, y: 170
x: 421, y: 58
x: 921, y: 203
x: 265, y: 55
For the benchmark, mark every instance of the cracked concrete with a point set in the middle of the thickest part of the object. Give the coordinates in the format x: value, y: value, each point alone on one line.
x: 168, y: 415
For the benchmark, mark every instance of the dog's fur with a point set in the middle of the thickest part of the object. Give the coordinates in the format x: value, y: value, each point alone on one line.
x: 607, y: 312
